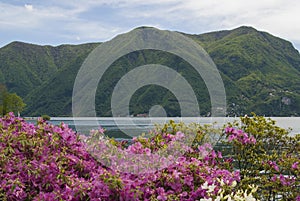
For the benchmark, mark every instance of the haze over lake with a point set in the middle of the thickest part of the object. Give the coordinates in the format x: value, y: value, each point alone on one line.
x: 138, y: 125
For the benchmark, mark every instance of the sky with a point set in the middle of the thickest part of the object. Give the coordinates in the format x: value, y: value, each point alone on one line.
x: 55, y: 22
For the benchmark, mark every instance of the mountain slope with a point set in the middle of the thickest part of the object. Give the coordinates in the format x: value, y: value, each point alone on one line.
x: 24, y: 67
x: 260, y: 72
x: 264, y: 67
x: 53, y: 96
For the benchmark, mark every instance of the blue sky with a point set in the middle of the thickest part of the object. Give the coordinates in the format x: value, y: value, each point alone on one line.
x: 56, y: 22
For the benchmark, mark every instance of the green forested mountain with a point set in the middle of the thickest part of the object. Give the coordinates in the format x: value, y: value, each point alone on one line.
x: 260, y: 72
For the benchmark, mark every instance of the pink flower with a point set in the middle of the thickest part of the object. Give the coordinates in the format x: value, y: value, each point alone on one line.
x: 229, y: 130
x: 239, y: 135
x: 252, y: 140
x: 231, y: 137
x: 176, y: 174
x: 220, y: 154
x: 274, y: 178
x: 161, y: 194
x: 179, y: 135
x: 276, y: 167
x: 283, y: 180
x: 295, y: 165
x: 188, y: 180
x: 148, y: 151
x: 101, y: 130
x: 273, y: 165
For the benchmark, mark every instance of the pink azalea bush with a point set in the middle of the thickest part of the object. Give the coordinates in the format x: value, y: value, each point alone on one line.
x: 47, y: 162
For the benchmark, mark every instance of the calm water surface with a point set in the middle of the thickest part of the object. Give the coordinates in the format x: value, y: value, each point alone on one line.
x: 119, y: 127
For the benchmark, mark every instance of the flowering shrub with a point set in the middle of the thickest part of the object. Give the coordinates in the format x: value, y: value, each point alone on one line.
x: 266, y: 156
x: 147, y: 176
x: 47, y: 162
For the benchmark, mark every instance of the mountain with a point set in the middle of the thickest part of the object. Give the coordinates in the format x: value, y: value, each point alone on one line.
x: 265, y: 68
x: 260, y: 72
x: 31, y: 70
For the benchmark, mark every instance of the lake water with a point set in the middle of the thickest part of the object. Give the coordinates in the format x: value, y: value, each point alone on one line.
x: 120, y: 127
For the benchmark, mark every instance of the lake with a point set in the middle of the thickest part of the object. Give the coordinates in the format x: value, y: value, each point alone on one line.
x: 120, y: 127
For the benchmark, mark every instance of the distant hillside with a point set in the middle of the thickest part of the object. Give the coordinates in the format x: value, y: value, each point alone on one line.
x: 265, y: 68
x: 42, y: 75
x: 260, y: 72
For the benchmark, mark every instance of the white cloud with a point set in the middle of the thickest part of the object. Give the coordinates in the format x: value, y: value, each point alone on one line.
x: 271, y: 15
x: 18, y: 17
x: 279, y: 17
x: 72, y: 19
x: 88, y: 31
x: 29, y: 7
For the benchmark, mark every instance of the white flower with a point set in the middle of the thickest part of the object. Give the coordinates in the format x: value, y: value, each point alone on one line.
x: 249, y: 198
x: 238, y: 197
x: 253, y: 188
x: 222, y: 182
x: 234, y: 183
x: 205, y: 185
x: 221, y: 192
x: 228, y: 197
x: 211, y: 188
x: 206, y: 199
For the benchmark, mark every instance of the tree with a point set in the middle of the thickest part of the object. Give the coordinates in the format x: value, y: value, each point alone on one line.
x: 15, y: 103
x: 10, y: 102
x: 3, y: 95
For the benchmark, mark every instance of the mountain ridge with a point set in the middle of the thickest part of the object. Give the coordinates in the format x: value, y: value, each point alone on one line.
x: 260, y: 72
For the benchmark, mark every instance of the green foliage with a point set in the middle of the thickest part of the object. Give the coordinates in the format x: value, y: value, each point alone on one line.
x: 263, y: 68
x: 201, y: 134
x: 271, y: 161
x: 46, y: 117
x: 58, y: 87
x: 10, y: 102
x: 267, y: 163
x: 259, y: 72
x: 48, y: 162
